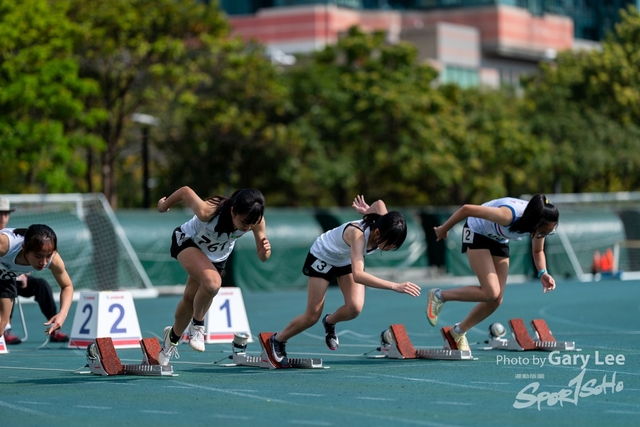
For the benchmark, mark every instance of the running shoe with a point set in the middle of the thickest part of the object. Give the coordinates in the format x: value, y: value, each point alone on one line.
x: 330, y: 334
x: 277, y: 352
x: 58, y: 336
x: 460, y: 339
x: 169, y: 349
x: 196, y: 333
x: 10, y: 338
x: 434, y: 305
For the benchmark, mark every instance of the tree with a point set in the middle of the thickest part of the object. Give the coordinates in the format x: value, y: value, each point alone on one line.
x: 138, y: 51
x: 586, y: 105
x: 229, y: 131
x: 42, y: 108
x: 371, y: 117
x: 495, y: 151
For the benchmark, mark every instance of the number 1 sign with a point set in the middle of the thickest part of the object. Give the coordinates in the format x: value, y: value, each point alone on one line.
x: 105, y: 314
x: 226, y: 316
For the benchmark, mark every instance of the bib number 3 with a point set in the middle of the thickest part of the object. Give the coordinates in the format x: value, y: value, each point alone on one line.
x: 321, y: 266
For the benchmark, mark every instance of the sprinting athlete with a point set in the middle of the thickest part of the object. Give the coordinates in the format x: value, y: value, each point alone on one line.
x: 202, y: 246
x: 485, y: 239
x: 340, y: 253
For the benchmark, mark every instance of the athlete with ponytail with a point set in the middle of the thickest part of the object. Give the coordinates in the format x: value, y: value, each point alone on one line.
x: 339, y: 253
x: 202, y: 246
x: 485, y: 239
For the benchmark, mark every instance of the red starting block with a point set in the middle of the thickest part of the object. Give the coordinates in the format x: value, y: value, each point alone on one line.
x: 521, y: 340
x: 241, y: 358
x: 102, y: 359
x: 395, y: 344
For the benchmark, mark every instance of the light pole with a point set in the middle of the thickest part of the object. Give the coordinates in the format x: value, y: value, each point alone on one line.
x: 146, y: 121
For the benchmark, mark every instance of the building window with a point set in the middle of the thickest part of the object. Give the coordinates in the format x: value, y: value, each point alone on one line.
x: 463, y: 77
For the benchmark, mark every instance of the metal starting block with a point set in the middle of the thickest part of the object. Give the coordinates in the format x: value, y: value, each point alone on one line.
x: 241, y: 358
x: 521, y: 340
x: 395, y: 344
x: 102, y: 359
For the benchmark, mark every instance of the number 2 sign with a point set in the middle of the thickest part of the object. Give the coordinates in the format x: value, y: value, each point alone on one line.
x: 105, y: 314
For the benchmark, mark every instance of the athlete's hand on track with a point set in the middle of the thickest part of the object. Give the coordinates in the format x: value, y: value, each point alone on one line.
x: 55, y: 322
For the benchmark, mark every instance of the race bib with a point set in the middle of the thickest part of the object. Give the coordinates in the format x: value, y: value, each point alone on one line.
x: 321, y: 266
x: 467, y: 235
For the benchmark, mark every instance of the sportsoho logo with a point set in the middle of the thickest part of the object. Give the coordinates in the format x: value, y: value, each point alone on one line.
x: 577, y: 388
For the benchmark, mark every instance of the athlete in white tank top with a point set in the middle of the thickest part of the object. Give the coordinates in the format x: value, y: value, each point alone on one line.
x: 238, y: 214
x: 34, y: 249
x: 499, y: 233
x: 345, y: 245
x: 332, y: 248
x: 217, y: 246
x: 9, y: 269
x: 499, y: 220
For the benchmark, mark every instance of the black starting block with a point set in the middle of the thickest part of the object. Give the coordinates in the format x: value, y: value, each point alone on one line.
x: 241, y: 358
x: 102, y: 359
x: 395, y: 344
x: 520, y: 340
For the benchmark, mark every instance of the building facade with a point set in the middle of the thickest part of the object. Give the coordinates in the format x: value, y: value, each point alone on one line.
x: 471, y: 42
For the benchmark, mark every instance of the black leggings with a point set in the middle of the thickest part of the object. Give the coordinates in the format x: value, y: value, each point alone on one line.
x: 40, y: 289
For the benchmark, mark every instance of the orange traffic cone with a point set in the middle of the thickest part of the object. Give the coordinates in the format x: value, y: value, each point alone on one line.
x: 606, y: 262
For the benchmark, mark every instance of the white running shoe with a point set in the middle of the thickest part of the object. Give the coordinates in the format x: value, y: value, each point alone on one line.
x: 460, y: 339
x: 169, y: 349
x: 197, y: 337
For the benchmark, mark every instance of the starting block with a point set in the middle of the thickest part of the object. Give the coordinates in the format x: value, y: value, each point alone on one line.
x: 3, y: 345
x: 241, y: 358
x: 521, y: 340
x: 395, y: 344
x: 102, y: 359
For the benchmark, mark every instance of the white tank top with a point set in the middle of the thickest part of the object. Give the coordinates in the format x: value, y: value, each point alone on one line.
x: 8, y: 267
x: 331, y: 247
x: 498, y: 232
x: 216, y: 247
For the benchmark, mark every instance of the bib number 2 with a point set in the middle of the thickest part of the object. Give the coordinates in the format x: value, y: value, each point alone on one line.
x: 467, y: 235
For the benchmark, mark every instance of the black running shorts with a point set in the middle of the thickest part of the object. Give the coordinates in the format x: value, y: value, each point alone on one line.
x: 471, y: 240
x: 189, y: 243
x: 315, y: 267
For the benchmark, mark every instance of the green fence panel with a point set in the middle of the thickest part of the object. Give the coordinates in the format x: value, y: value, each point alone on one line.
x: 291, y: 233
x: 149, y: 233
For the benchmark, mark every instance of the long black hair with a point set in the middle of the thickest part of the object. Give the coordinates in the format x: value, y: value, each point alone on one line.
x: 539, y: 212
x: 247, y: 202
x: 392, y: 227
x: 36, y: 237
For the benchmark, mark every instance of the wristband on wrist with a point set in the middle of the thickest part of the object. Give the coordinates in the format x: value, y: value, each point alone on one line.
x: 541, y: 272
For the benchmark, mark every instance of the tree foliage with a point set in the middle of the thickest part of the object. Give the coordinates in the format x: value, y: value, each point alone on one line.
x: 360, y: 117
x: 43, y: 116
x: 138, y: 51
x: 586, y: 106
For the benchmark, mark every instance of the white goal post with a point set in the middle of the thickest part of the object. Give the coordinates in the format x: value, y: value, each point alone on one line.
x: 96, y: 252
